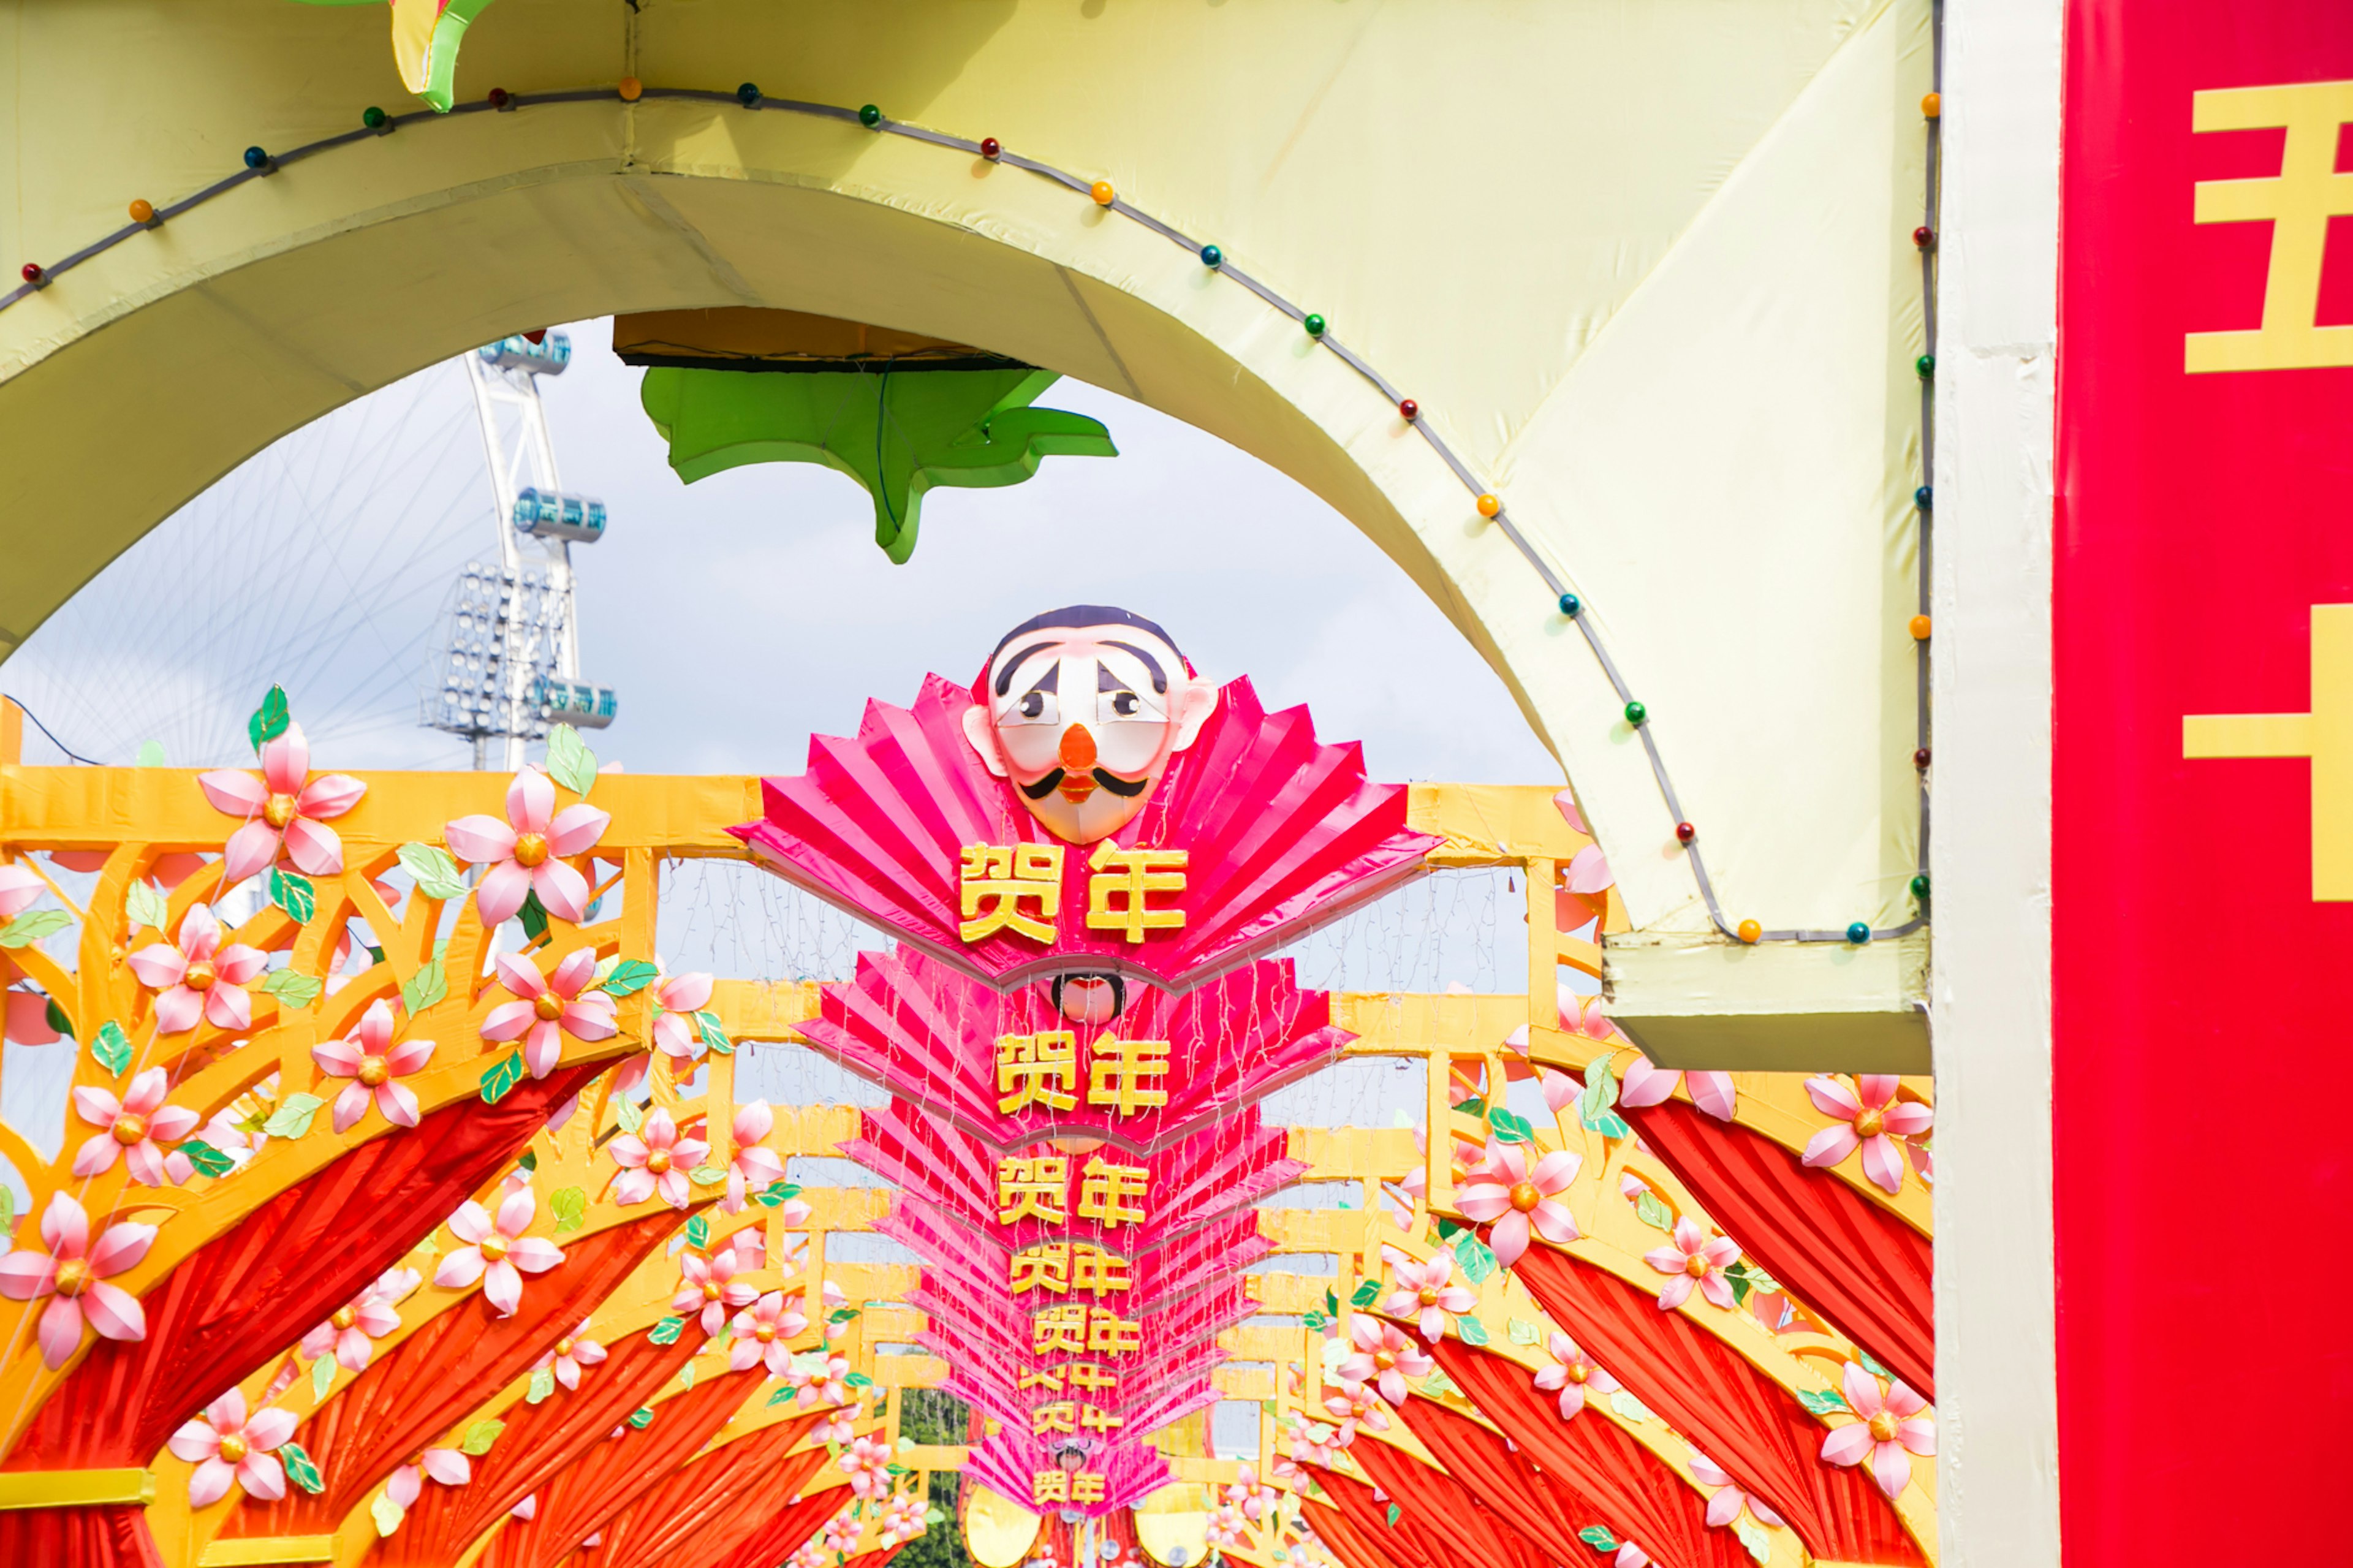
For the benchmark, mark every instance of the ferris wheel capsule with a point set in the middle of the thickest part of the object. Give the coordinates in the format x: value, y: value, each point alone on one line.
x: 546, y: 357
x: 577, y: 703
x: 554, y: 514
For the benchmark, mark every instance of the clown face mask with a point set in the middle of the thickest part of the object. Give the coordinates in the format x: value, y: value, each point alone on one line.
x: 1080, y: 710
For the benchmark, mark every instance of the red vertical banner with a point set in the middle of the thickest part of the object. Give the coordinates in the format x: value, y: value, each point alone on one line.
x: 2202, y: 854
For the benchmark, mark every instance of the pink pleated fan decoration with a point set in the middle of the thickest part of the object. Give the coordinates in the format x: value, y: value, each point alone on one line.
x: 1131, y: 1472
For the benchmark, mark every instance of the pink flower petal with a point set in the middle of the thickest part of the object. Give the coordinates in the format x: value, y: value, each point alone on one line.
x: 449, y: 1466
x: 1555, y: 1223
x: 316, y: 850
x: 534, y: 1255
x: 61, y: 1330
x: 542, y: 1050
x: 407, y: 1056
x: 1917, y: 1434
x: 687, y: 992
x: 1674, y: 1293
x: 1712, y: 1093
x: 26, y: 1275
x: 1832, y: 1098
x: 199, y: 934
x: 1861, y: 1391
x: 574, y: 974
x: 285, y: 760
x: 1910, y: 1119
x: 460, y: 1268
x: 194, y: 1440
x: 1588, y: 872
x: 1883, y: 1163
x: 96, y: 1155
x: 178, y: 1010
x: 234, y: 791
x: 470, y: 1223
x: 1645, y: 1085
x: 337, y: 1058
x: 65, y: 1229
x: 238, y: 964
x: 172, y: 1124
x: 1723, y: 1507
x: 503, y: 1287
x: 261, y: 1475
x: 1891, y: 1466
x: 1831, y: 1145
x: 589, y: 1021
x: 159, y: 967
x: 507, y: 1020
x: 210, y: 1482
x: 1718, y: 1289
x: 329, y: 795
x: 1847, y: 1445
x: 531, y: 801
x: 480, y: 840
x: 576, y: 829
x: 1554, y: 1173
x: 270, y: 1427
x: 250, y: 849
x: 144, y: 1162
x: 563, y: 891
x: 515, y: 1211
x: 501, y: 892
x: 398, y: 1103
x: 123, y: 1246
x: 227, y: 1008
x: 1509, y: 1238
x: 350, y: 1105
x: 145, y: 1092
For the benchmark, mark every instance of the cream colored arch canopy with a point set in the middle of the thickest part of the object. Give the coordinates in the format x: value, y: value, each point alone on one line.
x: 1648, y: 270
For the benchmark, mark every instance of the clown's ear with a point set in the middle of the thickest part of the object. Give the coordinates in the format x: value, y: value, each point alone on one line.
x: 1190, y: 705
x: 983, y: 736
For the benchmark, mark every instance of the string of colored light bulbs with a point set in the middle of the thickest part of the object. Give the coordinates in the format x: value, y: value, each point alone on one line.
x: 374, y: 121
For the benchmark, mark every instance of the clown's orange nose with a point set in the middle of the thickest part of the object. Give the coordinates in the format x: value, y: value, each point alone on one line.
x: 1078, y: 749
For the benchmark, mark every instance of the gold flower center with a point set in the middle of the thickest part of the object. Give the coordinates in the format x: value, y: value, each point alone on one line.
x: 73, y: 1277
x: 1696, y: 1265
x: 232, y: 1447
x: 531, y: 849
x: 279, y: 811
x: 1427, y: 1296
x: 765, y: 1333
x: 1385, y: 1359
x: 657, y: 1161
x: 494, y: 1246
x: 199, y: 977
x: 1883, y: 1427
x: 1578, y: 1372
x: 129, y: 1127
x: 1525, y: 1197
x: 1872, y: 1122
x: 562, y: 1348
x: 344, y: 1317
x: 373, y: 1071
x: 548, y: 1005
x: 711, y: 1290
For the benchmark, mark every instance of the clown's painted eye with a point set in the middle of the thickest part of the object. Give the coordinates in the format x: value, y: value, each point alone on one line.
x: 1124, y: 704
x: 1034, y: 705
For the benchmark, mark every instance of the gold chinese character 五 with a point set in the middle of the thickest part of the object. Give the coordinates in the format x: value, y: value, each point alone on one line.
x: 1122, y: 1074
x: 1110, y: 1195
x: 1038, y: 1069
x: 1049, y: 1486
x: 1128, y: 875
x: 1087, y: 1486
x: 994, y: 880
x: 1054, y: 1415
x: 1033, y: 1189
x: 1098, y: 1272
x: 1108, y: 1333
x: 1058, y: 1328
x: 1044, y: 1267
x: 2299, y: 203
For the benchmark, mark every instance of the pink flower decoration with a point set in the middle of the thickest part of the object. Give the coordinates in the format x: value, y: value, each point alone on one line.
x: 657, y: 1162
x: 1692, y: 1258
x: 19, y: 886
x: 374, y: 1065
x: 1354, y: 1406
x: 1868, y: 1120
x: 283, y: 809
x: 711, y: 1290
x: 224, y: 1446
x: 131, y: 1127
x: 73, y: 1274
x: 828, y: 1384
x: 1889, y: 1431
x: 1425, y: 1293
x: 902, y: 1518
x: 569, y: 1354
x: 1506, y: 1193
x: 1573, y: 1375
x: 841, y: 1531
x: 551, y: 1007
x: 1227, y: 1527
x: 353, y: 1332
x: 835, y: 1298
x: 837, y: 1425
x: 526, y: 853
x: 754, y: 1167
x: 1253, y: 1496
x: 198, y: 978
x: 764, y: 1334
x: 867, y: 1463
x: 1644, y: 1085
x: 499, y: 1254
x: 449, y: 1466
x: 1725, y: 1506
x: 676, y: 1000
x: 1384, y: 1357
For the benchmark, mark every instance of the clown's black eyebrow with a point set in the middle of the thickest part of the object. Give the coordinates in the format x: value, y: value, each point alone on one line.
x: 1159, y: 679
x: 1006, y: 667
x: 1051, y: 680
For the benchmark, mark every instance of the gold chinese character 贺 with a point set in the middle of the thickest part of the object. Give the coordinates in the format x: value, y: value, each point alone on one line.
x: 1044, y: 1267
x: 1128, y: 875
x: 1098, y: 1272
x: 1058, y: 1328
x: 1033, y: 1189
x: 1001, y: 875
x: 1108, y: 1333
x: 1049, y: 1486
x: 1054, y: 1415
x: 1105, y: 1191
x: 1030, y: 1066
x: 1124, y: 1075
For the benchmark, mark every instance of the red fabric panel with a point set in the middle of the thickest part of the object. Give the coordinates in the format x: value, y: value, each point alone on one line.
x: 614, y: 1474
x: 539, y: 1442
x: 1740, y: 1418
x: 247, y: 1294
x: 1406, y: 1542
x: 1447, y: 1518
x: 783, y: 1532
x: 1541, y: 1503
x: 1604, y: 1475
x: 699, y: 1511
x: 1864, y: 1270
x: 426, y: 1384
x: 1351, y: 1546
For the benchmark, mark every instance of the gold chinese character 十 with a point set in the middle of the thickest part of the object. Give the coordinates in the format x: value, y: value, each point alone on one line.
x: 1106, y: 1191
x: 1128, y: 875
x: 1033, y: 1189
x: 1029, y: 1067
x: 999, y: 876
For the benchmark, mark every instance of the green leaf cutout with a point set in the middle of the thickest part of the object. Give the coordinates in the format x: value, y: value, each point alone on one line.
x: 322, y: 1377
x: 1631, y: 1408
x: 300, y: 1469
x: 778, y: 1192
x: 479, y: 1436
x: 1598, y: 1538
x: 269, y: 721
x: 707, y: 1022
x: 686, y: 1375
x: 7, y: 1209
x: 1475, y: 1333
x: 386, y: 1513
x: 1331, y: 1304
x: 1752, y: 1536
x: 291, y: 987
x: 1366, y: 1294
x: 292, y: 892
x: 707, y: 1177
x: 1511, y: 1128
x: 430, y: 984
x: 1474, y: 1106
x: 1395, y: 1514
x: 500, y: 1079
x: 59, y: 1020
x: 780, y: 1396
x: 542, y: 1384
x: 32, y: 926
x: 698, y: 1232
x: 1653, y: 1210
x: 641, y: 1417
x: 1520, y: 1331
x: 113, y: 1048
x: 433, y: 870
x: 146, y: 906
x: 630, y: 977
x: 632, y: 1116
x: 570, y: 762
x: 1477, y: 1257
x: 1821, y: 1401
x: 666, y: 1332
x: 533, y: 915
x: 1600, y: 1094
x: 1870, y: 1366
x: 293, y: 1117
x: 570, y: 1207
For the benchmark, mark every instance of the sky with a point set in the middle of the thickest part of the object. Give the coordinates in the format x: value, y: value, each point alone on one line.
x: 737, y: 616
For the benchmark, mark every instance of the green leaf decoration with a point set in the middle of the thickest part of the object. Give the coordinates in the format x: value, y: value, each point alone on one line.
x: 1609, y: 1124
x: 570, y: 762
x: 1366, y: 1294
x: 780, y: 1396
x: 1475, y: 1333
x: 322, y: 1377
x: 149, y: 755
x: 292, y: 988
x: 1821, y: 1401
x: 778, y: 1192
x: 1474, y: 1106
x: 935, y: 1517
x: 1752, y: 1536
x: 632, y: 1116
x: 293, y: 1115
x: 1437, y: 1383
x: 686, y: 1375
x: 1314, y: 1321
x: 500, y: 1079
x: 294, y: 893
x: 842, y: 1315
x: 1653, y: 1210
x: 641, y: 1417
x: 1520, y: 1331
x: 301, y: 1469
x: 1631, y: 1408
x: 629, y: 977
x: 32, y: 926
x: 1477, y: 1257
x: 707, y: 1023
x: 1331, y: 1304
x: 479, y: 1436
x: 570, y: 1207
x: 666, y: 1332
x: 527, y: 1161
x: 1511, y: 1128
x: 7, y: 1209
x: 698, y: 1232
x: 59, y: 1020
x: 1449, y: 1229
x: 113, y: 1048
x: 1395, y: 1514
x: 1598, y: 1538
x: 1600, y: 1094
x: 542, y: 1384
x: 707, y: 1177
x: 433, y: 870
x: 858, y: 1380
x: 1870, y: 1366
x: 207, y: 1160
x: 146, y: 906
x: 386, y: 1513
x: 430, y: 984
x: 270, y: 719
x: 533, y: 915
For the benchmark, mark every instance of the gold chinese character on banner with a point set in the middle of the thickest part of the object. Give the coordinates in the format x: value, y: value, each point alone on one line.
x: 1087, y: 1374
x: 1122, y: 1074
x: 1054, y: 1415
x: 1045, y: 1377
x: 1058, y: 1328
x: 1001, y: 876
x: 1108, y: 1333
x: 1129, y: 875
x: 1106, y: 1189
x: 1087, y: 1486
x: 1044, y: 1267
x: 1098, y: 1272
x: 1029, y: 1066
x: 1095, y: 1418
x: 1049, y: 1486
x: 1033, y: 1189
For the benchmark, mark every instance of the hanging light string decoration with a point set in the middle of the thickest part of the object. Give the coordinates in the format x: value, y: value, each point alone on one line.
x: 374, y: 121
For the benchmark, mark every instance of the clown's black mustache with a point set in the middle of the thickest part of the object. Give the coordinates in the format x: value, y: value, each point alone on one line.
x: 1126, y: 789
